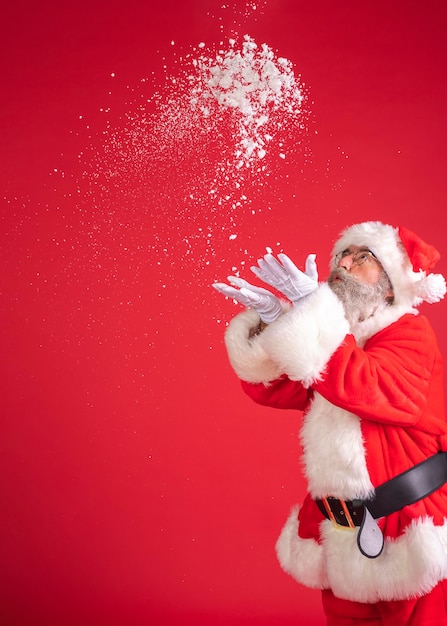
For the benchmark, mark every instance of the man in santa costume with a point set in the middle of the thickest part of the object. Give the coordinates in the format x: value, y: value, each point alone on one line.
x: 355, y: 356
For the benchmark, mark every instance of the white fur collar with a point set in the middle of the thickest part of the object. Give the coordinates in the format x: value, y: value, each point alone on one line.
x: 380, y: 320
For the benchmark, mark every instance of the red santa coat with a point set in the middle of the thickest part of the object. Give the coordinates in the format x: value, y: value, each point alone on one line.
x: 373, y: 402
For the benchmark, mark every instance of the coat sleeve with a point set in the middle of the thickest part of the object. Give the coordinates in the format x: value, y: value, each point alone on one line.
x: 391, y: 379
x: 280, y: 394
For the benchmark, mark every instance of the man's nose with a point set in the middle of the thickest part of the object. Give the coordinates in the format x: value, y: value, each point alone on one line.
x: 346, y: 262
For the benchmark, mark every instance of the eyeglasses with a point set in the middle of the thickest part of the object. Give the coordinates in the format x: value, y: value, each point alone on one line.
x: 358, y: 258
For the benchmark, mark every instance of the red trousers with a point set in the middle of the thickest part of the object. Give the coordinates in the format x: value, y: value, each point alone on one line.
x: 429, y: 610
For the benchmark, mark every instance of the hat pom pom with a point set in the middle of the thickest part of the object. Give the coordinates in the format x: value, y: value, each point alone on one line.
x: 431, y: 288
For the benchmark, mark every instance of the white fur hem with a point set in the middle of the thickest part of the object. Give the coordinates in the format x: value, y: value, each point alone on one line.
x: 409, y: 566
x: 303, y: 559
x: 303, y: 340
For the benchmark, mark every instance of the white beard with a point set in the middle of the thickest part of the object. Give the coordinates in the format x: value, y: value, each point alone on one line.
x: 360, y: 300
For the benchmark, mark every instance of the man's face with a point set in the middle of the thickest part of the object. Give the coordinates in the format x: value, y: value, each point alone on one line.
x: 361, y: 263
x: 361, y: 283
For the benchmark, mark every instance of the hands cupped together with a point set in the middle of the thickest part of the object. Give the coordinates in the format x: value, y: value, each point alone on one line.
x: 282, y: 275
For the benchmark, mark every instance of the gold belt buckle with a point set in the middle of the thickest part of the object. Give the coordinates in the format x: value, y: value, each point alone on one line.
x: 346, y: 512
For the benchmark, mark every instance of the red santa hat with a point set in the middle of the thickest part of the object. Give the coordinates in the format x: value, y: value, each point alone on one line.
x: 405, y: 257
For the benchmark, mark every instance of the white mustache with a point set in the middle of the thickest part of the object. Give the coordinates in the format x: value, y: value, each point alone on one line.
x: 341, y: 273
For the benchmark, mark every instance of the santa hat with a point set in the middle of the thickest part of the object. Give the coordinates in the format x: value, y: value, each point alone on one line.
x: 405, y: 258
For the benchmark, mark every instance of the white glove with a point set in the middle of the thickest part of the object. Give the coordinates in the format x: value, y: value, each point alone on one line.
x: 265, y: 303
x: 286, y: 277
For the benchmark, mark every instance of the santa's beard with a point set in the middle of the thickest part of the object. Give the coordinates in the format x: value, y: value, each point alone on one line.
x: 360, y: 300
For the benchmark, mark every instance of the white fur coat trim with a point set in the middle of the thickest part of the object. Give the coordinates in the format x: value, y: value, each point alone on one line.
x: 334, y: 453
x: 380, y: 320
x: 302, y: 341
x: 408, y: 567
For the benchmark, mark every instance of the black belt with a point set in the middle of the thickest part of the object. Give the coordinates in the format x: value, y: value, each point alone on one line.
x: 413, y: 485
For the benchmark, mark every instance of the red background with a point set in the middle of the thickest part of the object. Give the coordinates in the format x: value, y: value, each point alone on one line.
x: 139, y: 485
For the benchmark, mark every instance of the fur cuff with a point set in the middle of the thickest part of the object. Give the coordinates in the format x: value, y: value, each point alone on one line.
x: 303, y: 340
x: 247, y: 357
